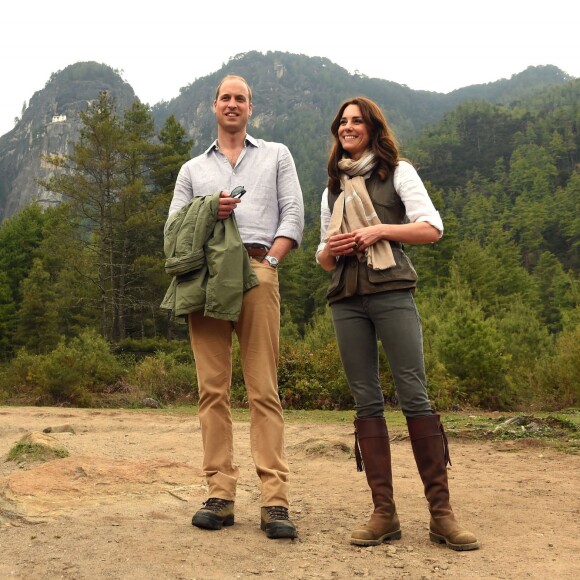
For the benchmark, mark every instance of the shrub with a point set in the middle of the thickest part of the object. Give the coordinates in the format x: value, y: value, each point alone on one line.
x: 165, y: 378
x: 14, y: 376
x: 138, y: 349
x: 68, y: 374
x: 558, y: 376
x: 312, y: 379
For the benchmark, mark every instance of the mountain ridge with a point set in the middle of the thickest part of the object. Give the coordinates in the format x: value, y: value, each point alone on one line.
x: 290, y: 92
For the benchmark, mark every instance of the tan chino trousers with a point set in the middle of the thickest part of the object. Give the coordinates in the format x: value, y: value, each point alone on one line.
x: 258, y: 332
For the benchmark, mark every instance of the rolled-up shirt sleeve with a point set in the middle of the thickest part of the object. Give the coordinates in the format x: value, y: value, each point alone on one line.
x: 290, y: 201
x: 324, y: 221
x: 182, y: 194
x: 413, y: 193
x: 183, y: 191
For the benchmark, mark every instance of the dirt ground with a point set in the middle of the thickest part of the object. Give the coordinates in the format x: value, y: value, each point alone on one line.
x: 120, y: 505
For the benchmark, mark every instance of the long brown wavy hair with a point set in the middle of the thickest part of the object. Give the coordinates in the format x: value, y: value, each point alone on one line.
x: 382, y: 142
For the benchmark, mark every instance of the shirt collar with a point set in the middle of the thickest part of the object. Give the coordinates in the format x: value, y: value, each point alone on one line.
x: 214, y: 145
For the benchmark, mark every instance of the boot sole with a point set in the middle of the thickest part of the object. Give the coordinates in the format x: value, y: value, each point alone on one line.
x: 278, y: 531
x: 209, y: 521
x: 385, y: 538
x: 457, y: 547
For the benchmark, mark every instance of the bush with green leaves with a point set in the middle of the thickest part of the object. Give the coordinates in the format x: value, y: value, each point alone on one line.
x: 68, y: 374
x: 310, y: 379
x: 139, y: 348
x: 165, y: 377
x: 557, y: 383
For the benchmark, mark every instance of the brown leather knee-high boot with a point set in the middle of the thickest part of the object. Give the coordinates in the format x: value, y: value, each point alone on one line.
x: 432, y: 455
x: 373, y: 452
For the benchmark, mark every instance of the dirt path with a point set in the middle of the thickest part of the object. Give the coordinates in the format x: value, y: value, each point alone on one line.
x: 120, y: 506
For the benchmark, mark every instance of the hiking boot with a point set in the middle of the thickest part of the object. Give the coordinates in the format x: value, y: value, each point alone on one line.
x: 214, y: 514
x: 276, y: 523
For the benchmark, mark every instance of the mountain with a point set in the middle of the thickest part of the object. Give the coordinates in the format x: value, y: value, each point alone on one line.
x: 50, y: 124
x: 519, y: 87
x: 295, y: 98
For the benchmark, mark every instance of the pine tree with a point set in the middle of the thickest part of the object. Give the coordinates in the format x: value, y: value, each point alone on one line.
x: 37, y: 328
x: 103, y: 183
x: 7, y: 316
x: 175, y: 152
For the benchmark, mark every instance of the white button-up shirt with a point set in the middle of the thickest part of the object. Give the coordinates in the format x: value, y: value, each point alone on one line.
x: 272, y: 205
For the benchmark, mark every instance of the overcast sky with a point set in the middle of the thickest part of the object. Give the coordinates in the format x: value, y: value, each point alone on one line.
x: 160, y: 47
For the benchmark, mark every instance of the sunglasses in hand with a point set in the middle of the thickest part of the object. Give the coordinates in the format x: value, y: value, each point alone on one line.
x: 238, y: 191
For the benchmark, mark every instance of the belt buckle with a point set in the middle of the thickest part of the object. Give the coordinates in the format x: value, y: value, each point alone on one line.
x: 256, y: 250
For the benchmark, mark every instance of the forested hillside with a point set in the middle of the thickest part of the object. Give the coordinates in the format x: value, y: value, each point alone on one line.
x: 80, y: 284
x: 295, y: 97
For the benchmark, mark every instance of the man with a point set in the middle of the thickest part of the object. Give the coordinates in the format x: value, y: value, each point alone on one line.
x: 270, y: 219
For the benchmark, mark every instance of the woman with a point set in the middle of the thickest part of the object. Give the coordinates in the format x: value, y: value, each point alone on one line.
x: 374, y: 203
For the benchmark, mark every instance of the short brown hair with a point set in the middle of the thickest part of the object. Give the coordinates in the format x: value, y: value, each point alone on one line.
x: 229, y: 77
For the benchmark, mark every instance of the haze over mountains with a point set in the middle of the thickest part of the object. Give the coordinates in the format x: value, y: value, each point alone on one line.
x: 295, y: 98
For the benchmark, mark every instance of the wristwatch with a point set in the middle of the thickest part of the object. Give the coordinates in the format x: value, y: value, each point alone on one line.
x: 274, y: 262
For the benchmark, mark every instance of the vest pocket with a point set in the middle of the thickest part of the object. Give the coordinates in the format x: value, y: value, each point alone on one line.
x: 337, y: 280
x: 402, y: 270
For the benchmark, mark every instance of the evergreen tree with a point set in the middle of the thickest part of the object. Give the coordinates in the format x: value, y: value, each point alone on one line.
x: 94, y: 183
x: 532, y: 172
x: 37, y: 328
x: 431, y: 261
x: 527, y: 341
x: 472, y: 349
x: 135, y: 214
x: 563, y: 229
x: 71, y: 271
x: 19, y: 238
x: 555, y: 288
x: 175, y: 152
x: 7, y: 316
x: 493, y: 274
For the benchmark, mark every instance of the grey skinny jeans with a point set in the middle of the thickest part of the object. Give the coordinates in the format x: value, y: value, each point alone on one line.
x: 392, y: 317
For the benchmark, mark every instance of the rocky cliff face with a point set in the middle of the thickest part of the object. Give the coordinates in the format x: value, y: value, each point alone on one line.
x: 50, y: 125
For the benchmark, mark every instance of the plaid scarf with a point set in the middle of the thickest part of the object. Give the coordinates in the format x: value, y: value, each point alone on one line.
x: 354, y: 210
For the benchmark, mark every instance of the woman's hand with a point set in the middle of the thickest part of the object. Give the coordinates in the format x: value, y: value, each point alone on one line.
x: 365, y: 237
x: 341, y: 245
x: 336, y: 246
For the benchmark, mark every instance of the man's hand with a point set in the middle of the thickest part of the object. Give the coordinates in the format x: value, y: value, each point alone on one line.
x: 226, y: 205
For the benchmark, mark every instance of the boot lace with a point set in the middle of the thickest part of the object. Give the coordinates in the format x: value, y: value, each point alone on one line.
x: 277, y: 512
x: 215, y: 504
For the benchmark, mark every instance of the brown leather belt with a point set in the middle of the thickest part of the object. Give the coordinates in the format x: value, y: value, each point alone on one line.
x: 256, y: 251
